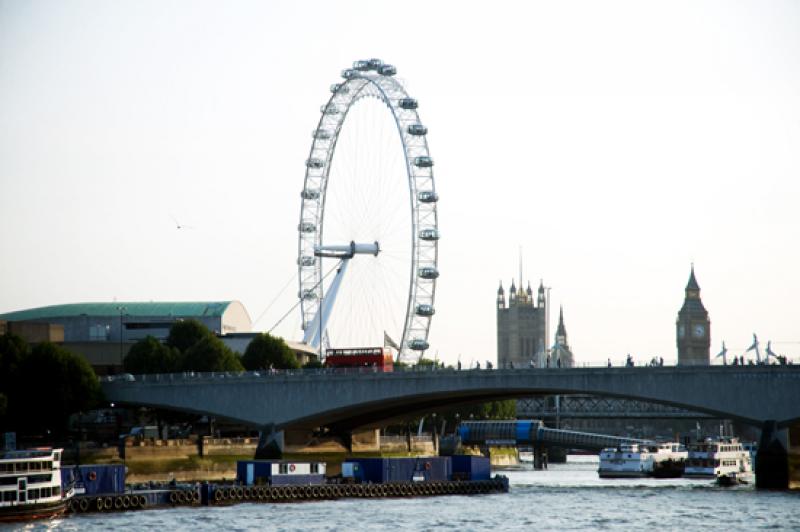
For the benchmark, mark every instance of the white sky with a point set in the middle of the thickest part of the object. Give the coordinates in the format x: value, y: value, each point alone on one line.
x: 616, y: 142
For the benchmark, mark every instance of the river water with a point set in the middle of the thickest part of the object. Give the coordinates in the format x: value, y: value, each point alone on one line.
x: 565, y: 497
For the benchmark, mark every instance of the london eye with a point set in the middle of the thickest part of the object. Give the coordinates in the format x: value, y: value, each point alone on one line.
x: 369, y: 203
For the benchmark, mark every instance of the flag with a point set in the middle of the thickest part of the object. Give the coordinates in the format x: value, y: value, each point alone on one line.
x: 388, y: 342
x: 770, y: 353
x: 723, y: 353
x: 755, y: 344
x: 755, y: 347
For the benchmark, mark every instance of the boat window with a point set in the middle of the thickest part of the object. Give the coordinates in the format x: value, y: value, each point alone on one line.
x: 22, y: 467
x: 33, y: 494
x: 9, y: 496
x: 314, y: 468
x: 35, y: 466
x: 47, y: 466
x: 39, y: 478
x: 45, y: 492
x: 56, y: 491
x: 283, y: 469
x: 8, y: 481
x: 6, y: 468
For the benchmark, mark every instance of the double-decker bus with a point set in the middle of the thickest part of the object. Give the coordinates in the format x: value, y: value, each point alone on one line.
x: 378, y: 358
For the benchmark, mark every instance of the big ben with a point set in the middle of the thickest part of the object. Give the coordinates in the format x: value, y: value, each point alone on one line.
x: 693, y: 328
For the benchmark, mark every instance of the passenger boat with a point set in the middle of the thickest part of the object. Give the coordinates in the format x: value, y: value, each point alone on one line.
x: 629, y: 460
x: 30, y: 485
x: 715, y: 458
x: 669, y: 460
x: 636, y: 461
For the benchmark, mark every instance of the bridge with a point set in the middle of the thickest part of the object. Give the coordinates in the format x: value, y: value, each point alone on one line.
x: 350, y: 399
x: 594, y: 407
x: 340, y: 400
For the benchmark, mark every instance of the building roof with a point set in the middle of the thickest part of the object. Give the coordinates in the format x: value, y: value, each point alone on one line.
x: 140, y: 309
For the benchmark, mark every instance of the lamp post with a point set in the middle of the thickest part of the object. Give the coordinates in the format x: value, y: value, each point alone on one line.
x: 122, y: 310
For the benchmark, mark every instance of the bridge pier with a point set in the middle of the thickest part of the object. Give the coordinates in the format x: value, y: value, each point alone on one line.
x: 772, y: 459
x: 794, y: 456
x: 539, y: 456
x: 270, y: 443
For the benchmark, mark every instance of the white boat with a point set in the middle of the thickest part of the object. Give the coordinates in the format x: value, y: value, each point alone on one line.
x: 629, y: 460
x: 635, y: 461
x: 30, y: 485
x: 717, y: 458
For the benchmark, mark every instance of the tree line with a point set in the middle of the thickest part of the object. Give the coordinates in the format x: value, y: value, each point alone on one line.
x: 191, y: 346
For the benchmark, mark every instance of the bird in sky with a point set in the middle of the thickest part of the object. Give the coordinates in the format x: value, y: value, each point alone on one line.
x: 178, y: 225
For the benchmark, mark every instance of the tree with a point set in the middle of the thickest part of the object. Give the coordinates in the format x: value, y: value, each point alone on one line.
x: 186, y: 333
x: 209, y: 354
x: 151, y: 356
x: 13, y: 349
x: 267, y: 351
x: 53, y: 383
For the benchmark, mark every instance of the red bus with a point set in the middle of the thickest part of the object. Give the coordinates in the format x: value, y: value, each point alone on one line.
x: 378, y: 358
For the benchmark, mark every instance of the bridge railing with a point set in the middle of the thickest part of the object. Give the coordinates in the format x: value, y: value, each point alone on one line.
x: 398, y: 370
x: 267, y: 373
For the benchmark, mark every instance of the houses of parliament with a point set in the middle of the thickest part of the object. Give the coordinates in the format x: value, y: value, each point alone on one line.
x: 523, y: 335
x: 522, y: 331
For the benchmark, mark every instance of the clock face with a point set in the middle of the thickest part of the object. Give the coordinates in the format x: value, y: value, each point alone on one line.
x: 699, y: 330
x: 681, y: 331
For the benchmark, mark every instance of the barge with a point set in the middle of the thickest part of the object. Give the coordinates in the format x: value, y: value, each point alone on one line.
x: 284, y: 481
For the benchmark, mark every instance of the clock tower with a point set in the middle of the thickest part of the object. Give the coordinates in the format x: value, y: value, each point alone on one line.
x: 693, y: 328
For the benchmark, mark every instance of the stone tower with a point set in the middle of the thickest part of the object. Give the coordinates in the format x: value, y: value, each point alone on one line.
x: 521, y: 327
x: 693, y: 328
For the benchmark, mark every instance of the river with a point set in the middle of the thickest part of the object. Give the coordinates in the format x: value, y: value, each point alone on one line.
x: 565, y: 497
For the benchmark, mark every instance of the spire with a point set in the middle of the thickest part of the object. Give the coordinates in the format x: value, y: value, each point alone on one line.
x: 529, y: 291
x: 692, y: 288
x: 561, y: 332
x: 692, y: 284
x: 513, y: 289
x: 501, y: 297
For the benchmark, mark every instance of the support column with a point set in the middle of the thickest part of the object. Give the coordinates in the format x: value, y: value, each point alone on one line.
x: 772, y: 459
x: 794, y: 456
x: 539, y: 456
x: 270, y: 443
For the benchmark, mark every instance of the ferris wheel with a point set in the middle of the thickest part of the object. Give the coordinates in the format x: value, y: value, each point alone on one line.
x: 368, y: 202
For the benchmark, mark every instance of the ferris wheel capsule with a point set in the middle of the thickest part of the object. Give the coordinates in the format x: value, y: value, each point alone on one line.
x: 425, y: 310
x: 418, y: 344
x: 374, y: 64
x: 315, y: 163
x: 429, y: 234
x: 349, y: 73
x: 408, y: 103
x: 427, y: 196
x: 417, y: 129
x: 361, y: 65
x: 423, y: 161
x: 387, y: 70
x: 321, y: 134
x: 428, y: 272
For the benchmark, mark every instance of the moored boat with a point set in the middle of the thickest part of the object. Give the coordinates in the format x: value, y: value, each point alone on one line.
x: 626, y: 461
x: 717, y: 458
x: 30, y: 485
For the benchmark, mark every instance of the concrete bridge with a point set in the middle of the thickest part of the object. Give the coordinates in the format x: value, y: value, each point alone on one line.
x: 764, y: 396
x: 313, y: 398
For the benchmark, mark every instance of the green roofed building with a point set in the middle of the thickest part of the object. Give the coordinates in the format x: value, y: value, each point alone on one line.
x: 131, y: 321
x: 103, y: 332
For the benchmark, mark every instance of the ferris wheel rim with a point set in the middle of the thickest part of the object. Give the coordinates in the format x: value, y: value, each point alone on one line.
x: 424, y: 214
